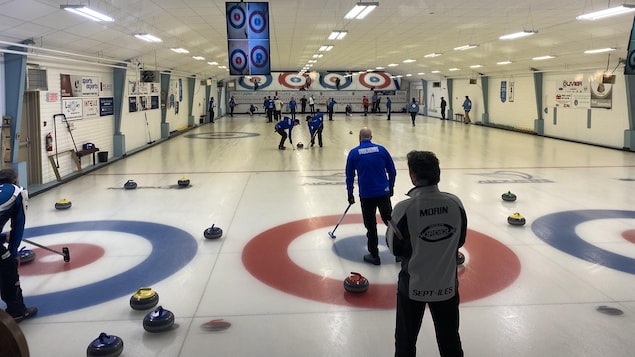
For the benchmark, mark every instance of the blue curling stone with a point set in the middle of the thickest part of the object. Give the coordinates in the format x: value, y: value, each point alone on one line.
x: 105, y: 346
x: 158, y: 320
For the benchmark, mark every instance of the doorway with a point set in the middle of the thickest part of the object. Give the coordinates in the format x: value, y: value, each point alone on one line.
x: 30, y: 146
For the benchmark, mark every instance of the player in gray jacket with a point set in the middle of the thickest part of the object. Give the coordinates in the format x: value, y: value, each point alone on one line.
x: 431, y: 225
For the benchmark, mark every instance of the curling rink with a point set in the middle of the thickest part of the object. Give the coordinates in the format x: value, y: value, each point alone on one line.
x: 277, y: 276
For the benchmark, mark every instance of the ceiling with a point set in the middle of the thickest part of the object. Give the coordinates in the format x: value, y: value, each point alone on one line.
x: 396, y: 31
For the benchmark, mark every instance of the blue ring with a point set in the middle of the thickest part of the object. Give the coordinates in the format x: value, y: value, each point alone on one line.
x: 231, y: 56
x: 231, y: 22
x: 347, y: 80
x: 268, y: 80
x: 558, y: 230
x: 172, y: 249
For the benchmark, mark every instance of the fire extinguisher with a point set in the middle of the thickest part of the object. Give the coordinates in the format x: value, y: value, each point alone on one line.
x: 49, y: 142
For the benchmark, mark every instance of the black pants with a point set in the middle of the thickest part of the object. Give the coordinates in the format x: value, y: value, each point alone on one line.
x: 369, y: 214
x: 211, y: 116
x: 293, y: 113
x: 443, y: 113
x: 10, y: 290
x: 283, y: 138
x: 231, y: 111
x: 270, y: 115
x: 317, y: 133
x: 330, y: 112
x: 277, y: 114
x: 388, y: 110
x: 445, y: 315
x: 413, y: 115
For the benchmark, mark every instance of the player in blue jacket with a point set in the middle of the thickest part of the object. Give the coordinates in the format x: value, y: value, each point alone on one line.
x: 316, y: 125
x: 13, y: 200
x: 293, y: 105
x: 285, y: 124
x: 376, y: 179
x: 330, y: 107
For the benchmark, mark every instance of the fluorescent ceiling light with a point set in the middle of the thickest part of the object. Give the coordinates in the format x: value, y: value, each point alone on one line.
x: 408, y: 75
x: 312, y: 61
x: 361, y: 10
x: 435, y: 72
x: 420, y: 73
x: 179, y: 50
x: 198, y: 58
x: 431, y: 55
x: 454, y: 69
x: 618, y: 10
x: 213, y: 63
x: 222, y: 67
x: 504, y: 62
x: 476, y: 66
x: 409, y: 61
x: 338, y: 34
x: 540, y: 58
x: 393, y: 65
x: 379, y: 67
x: 465, y: 47
x: 513, y: 36
x: 600, y: 50
x: 325, y: 48
x: 87, y: 12
x: 147, y: 37
x: 318, y: 55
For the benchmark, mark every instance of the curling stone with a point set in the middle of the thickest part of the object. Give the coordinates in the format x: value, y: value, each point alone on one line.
x: 356, y: 283
x: 516, y: 219
x: 183, y: 182
x: 460, y: 258
x: 508, y: 196
x: 213, y: 232
x: 144, y: 299
x: 350, y: 132
x: 299, y: 145
x: 158, y: 320
x: 26, y: 255
x: 63, y: 203
x: 105, y: 346
x: 216, y: 325
x: 130, y: 185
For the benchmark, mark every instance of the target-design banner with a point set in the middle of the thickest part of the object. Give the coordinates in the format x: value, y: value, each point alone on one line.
x: 329, y: 80
x: 292, y: 80
x: 248, y: 37
x: 372, y: 80
x: 250, y: 83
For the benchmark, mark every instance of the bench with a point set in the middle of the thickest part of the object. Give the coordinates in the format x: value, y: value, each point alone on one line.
x: 459, y: 117
x: 76, y: 156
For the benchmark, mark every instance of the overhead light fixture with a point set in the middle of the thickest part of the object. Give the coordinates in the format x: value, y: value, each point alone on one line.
x: 465, y: 47
x: 513, y: 36
x: 431, y: 55
x: 476, y: 66
x: 504, y: 62
x: 453, y: 69
x: 393, y: 65
x: 318, y: 55
x: 179, y: 50
x: 338, y: 34
x: 325, y: 48
x: 435, y: 72
x: 613, y: 11
x: 198, y: 58
x: 420, y: 73
x: 409, y: 61
x: 312, y: 61
x: 212, y: 63
x: 147, y: 37
x: 361, y: 10
x: 600, y: 50
x: 540, y: 58
x: 87, y: 12
x: 379, y: 67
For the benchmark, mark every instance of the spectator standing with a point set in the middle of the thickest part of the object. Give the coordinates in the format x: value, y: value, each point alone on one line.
x: 467, y: 106
x: 303, y: 102
x: 428, y: 275
x: 443, y: 105
x: 365, y: 103
x: 211, y: 109
x: 292, y: 107
x: 232, y: 104
x: 388, y: 107
x: 413, y: 109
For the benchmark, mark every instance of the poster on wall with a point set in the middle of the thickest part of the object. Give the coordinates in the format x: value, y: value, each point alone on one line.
x: 503, y: 91
x: 70, y: 86
x: 72, y: 108
x: 89, y: 86
x: 133, y: 88
x: 573, y: 94
x: 154, y: 102
x: 105, y: 89
x: 106, y: 106
x: 132, y: 104
x: 601, y: 95
x: 90, y: 107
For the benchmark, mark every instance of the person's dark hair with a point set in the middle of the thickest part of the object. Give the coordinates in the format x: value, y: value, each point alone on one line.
x: 296, y: 121
x: 8, y: 176
x: 425, y: 166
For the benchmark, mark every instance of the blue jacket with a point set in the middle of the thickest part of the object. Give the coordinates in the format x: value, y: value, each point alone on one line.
x: 293, y: 104
x: 375, y: 169
x: 388, y: 103
x: 331, y: 103
x: 284, y: 124
x: 316, y: 124
x: 12, y: 206
x: 467, y: 104
x: 413, y: 107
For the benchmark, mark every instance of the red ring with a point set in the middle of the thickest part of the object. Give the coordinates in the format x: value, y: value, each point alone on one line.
x: 80, y: 254
x: 491, y: 267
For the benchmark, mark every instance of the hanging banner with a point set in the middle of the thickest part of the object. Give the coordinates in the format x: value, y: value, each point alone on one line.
x: 630, y: 57
x: 503, y: 92
x: 511, y: 92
